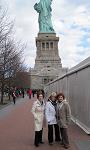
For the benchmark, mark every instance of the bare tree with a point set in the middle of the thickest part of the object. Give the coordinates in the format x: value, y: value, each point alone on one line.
x: 5, y: 30
x: 10, y: 55
x: 6, y: 26
x: 11, y: 64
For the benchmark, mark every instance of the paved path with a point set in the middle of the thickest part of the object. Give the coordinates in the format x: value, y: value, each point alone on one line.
x: 17, y: 130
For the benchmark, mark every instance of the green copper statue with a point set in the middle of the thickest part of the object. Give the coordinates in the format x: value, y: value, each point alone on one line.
x: 44, y: 9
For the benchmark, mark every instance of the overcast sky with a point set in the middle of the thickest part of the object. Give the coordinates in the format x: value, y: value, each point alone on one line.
x: 71, y: 22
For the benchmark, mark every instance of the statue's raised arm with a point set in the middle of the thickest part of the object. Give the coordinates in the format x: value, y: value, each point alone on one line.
x: 44, y: 20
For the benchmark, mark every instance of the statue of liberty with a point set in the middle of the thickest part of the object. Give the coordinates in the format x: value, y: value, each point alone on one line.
x: 44, y: 9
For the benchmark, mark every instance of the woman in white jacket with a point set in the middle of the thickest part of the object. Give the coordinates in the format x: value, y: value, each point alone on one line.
x: 38, y: 112
x: 50, y: 113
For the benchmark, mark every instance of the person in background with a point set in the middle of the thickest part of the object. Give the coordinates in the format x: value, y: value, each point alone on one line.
x: 33, y: 92
x: 38, y: 113
x: 22, y: 90
x: 50, y: 112
x: 63, y: 118
x: 30, y: 93
x: 14, y: 96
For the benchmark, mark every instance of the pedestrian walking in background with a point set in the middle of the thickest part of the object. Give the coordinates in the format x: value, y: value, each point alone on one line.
x: 38, y: 113
x: 33, y: 92
x: 30, y: 93
x: 22, y: 90
x: 63, y: 118
x: 14, y: 96
x: 50, y: 112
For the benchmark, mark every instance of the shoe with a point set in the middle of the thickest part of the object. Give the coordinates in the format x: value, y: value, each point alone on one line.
x: 36, y: 145
x: 41, y: 142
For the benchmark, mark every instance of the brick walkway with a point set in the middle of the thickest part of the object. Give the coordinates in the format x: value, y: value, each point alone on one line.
x: 17, y: 130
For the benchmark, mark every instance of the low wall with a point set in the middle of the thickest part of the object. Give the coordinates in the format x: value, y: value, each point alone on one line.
x: 75, y: 84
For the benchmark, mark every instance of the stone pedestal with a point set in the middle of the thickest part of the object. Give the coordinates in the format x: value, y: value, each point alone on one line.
x: 47, y: 63
x: 47, y: 51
